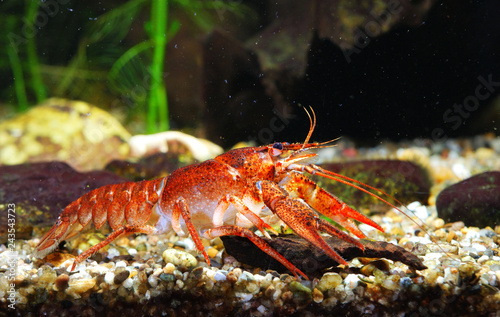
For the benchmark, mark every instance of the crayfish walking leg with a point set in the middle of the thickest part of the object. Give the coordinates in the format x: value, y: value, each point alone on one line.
x: 327, y: 204
x: 302, y: 219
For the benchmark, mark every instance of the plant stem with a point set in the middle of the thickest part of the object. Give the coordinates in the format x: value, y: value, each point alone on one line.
x: 157, y: 103
x: 32, y: 59
x: 17, y: 71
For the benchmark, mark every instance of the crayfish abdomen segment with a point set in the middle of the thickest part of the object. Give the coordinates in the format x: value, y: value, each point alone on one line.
x: 130, y: 202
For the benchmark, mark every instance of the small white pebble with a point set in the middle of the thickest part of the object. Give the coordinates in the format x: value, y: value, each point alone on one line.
x: 109, y: 277
x: 351, y: 281
x: 433, y: 256
x: 414, y: 205
x: 121, y: 264
x: 421, y: 212
x: 461, y: 171
x: 492, y: 278
x: 262, y: 309
x: 389, y: 284
x: 128, y: 283
x: 179, y: 284
x: 472, y: 234
x: 482, y: 259
x: 132, y: 251
x: 218, y: 276
x: 387, y: 220
x: 259, y: 278
x: 478, y: 247
x: 210, y: 273
x: 112, y: 252
x: 249, y: 276
x: 244, y: 297
x: 153, y: 281
x: 422, y: 240
x: 440, y: 280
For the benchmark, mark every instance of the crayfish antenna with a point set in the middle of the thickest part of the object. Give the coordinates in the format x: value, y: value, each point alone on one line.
x: 314, y: 169
x: 312, y: 125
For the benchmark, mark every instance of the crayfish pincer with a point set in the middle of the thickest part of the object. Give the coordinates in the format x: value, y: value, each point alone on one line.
x: 228, y: 195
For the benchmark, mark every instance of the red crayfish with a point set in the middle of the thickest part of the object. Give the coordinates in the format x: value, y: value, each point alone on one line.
x: 223, y: 196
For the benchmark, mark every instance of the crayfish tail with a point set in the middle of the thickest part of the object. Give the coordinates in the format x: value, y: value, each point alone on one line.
x: 51, y: 239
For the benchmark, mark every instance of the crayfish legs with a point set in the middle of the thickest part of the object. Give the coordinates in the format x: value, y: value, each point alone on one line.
x: 299, y: 216
x: 298, y: 185
x: 127, y: 207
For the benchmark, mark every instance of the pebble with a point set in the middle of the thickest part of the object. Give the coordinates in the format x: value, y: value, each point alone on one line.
x: 153, y: 281
x: 77, y: 287
x: 212, y: 252
x: 169, y: 268
x: 167, y: 277
x: 219, y: 276
x: 269, y: 292
x: 351, y: 281
x: 113, y: 252
x: 128, y: 283
x: 179, y: 258
x: 109, y: 278
x: 391, y: 282
x: 329, y: 281
x: 61, y: 282
x: 483, y: 259
x: 132, y: 251
x: 317, y: 296
x: 120, y: 277
x: 244, y: 297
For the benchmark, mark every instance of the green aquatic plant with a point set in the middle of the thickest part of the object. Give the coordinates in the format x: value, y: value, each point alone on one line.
x: 21, y: 52
x: 17, y: 71
x: 157, y: 101
x: 95, y: 61
x: 127, y: 74
x: 31, y: 53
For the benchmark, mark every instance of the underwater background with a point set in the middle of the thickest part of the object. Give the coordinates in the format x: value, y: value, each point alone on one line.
x: 222, y: 69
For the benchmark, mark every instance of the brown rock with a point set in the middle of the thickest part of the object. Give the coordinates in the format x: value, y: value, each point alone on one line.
x: 62, y: 282
x: 120, y: 277
x: 475, y: 201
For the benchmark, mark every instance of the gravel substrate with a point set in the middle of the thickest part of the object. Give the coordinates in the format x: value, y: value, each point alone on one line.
x: 163, y: 275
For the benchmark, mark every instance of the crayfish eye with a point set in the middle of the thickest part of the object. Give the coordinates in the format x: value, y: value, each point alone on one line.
x: 277, y: 149
x: 278, y: 146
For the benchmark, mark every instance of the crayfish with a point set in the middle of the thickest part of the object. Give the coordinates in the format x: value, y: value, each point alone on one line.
x: 228, y: 195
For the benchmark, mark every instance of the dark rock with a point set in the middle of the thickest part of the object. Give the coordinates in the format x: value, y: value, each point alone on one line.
x: 475, y: 201
x: 120, y: 277
x: 40, y: 191
x: 404, y: 180
x: 312, y: 260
